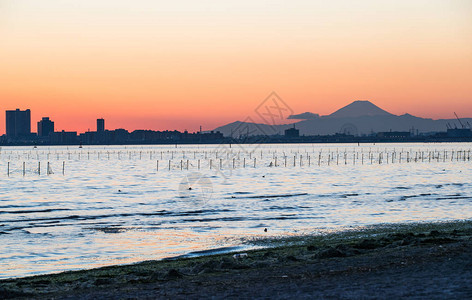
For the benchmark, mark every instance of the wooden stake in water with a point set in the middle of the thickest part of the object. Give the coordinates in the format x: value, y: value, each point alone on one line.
x: 8, y: 169
x: 63, y: 167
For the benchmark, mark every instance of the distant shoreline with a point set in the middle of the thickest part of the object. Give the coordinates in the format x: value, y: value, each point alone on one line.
x: 250, y: 141
x: 407, y: 260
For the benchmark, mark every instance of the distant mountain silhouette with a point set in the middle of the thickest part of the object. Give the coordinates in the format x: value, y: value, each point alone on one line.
x: 304, y: 116
x: 357, y: 118
x: 359, y: 108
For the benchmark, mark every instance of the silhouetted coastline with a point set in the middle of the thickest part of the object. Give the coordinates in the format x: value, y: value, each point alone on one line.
x: 179, y: 138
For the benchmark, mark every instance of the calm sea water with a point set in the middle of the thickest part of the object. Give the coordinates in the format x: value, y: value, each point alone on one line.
x: 65, y: 208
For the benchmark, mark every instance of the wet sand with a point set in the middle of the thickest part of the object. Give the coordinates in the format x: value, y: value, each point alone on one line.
x: 407, y: 261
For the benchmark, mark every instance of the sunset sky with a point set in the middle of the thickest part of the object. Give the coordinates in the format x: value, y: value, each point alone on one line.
x: 184, y: 63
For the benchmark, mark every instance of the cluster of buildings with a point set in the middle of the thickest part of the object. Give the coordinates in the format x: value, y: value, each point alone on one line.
x: 18, y: 131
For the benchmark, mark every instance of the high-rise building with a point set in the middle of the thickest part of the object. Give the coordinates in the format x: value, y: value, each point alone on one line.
x: 18, y: 123
x: 45, y: 127
x: 100, y: 125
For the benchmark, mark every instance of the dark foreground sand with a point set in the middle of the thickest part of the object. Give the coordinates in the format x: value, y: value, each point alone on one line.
x: 426, y: 261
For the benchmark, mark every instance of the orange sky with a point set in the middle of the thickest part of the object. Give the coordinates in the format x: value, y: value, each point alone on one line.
x: 159, y: 65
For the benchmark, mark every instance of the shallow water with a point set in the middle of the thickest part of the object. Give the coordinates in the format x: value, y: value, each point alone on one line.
x: 118, y: 204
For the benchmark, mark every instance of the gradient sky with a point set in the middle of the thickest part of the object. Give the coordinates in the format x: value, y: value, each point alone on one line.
x: 184, y: 63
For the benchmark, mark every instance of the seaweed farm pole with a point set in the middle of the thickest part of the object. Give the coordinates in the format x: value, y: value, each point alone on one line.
x: 244, y: 162
x: 63, y: 167
x: 199, y: 164
x: 157, y: 165
x: 8, y: 169
x: 254, y: 162
x: 169, y: 164
x: 24, y: 169
x: 39, y: 168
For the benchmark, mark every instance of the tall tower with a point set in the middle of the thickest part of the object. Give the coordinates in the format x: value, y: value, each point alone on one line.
x: 100, y: 125
x: 18, y: 123
x: 45, y: 126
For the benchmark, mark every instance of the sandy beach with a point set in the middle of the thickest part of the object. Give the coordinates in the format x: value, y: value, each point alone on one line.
x: 406, y: 261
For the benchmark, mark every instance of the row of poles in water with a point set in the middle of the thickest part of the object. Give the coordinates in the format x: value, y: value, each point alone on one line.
x: 332, y: 158
x: 166, y: 155
x: 38, y: 170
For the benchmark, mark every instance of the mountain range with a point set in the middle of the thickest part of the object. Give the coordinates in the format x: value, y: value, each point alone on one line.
x: 357, y: 118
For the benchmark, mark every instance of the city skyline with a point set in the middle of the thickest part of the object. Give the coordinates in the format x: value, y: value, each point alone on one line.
x: 157, y: 65
x: 361, y: 120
